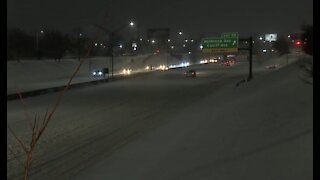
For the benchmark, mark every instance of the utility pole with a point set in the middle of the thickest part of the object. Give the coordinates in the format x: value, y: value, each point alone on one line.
x: 37, y: 45
x: 112, y: 52
x: 250, y: 54
x: 78, y: 45
x: 250, y: 59
x: 112, y: 37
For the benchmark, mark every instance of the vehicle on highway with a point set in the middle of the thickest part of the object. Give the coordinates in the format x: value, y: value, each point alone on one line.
x: 97, y: 73
x: 100, y: 72
x: 190, y: 73
x: 210, y: 60
x: 213, y: 60
x: 126, y: 71
x: 149, y: 68
x: 229, y: 62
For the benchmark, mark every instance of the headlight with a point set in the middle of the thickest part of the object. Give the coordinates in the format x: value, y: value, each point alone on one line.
x: 100, y: 73
x: 126, y: 71
x: 94, y: 73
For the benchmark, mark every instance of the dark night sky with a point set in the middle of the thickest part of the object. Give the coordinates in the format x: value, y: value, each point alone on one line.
x: 210, y: 17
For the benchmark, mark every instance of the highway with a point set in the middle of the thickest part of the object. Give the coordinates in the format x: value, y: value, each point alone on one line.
x: 93, y: 123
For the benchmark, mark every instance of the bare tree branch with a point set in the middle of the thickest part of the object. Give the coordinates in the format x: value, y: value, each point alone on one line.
x: 14, y: 155
x: 24, y: 107
x: 38, y: 131
x: 19, y: 141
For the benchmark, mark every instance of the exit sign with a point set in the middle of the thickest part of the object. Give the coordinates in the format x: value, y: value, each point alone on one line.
x: 228, y: 42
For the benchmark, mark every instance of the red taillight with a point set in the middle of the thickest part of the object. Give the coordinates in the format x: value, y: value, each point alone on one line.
x: 297, y: 42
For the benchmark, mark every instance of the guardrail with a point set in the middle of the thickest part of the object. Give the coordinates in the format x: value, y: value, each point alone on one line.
x: 51, y: 90
x: 38, y: 92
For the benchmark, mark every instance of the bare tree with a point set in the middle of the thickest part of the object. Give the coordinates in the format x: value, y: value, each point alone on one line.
x: 39, y: 125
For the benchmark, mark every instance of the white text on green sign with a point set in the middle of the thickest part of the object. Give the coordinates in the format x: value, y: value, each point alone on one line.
x: 220, y: 43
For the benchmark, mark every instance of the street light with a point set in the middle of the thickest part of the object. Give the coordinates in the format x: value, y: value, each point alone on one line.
x: 37, y: 42
x: 112, y: 35
x: 79, y: 42
x: 180, y: 33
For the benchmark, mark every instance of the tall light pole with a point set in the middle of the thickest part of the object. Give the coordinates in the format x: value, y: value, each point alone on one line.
x: 79, y: 35
x: 112, y: 36
x: 37, y: 43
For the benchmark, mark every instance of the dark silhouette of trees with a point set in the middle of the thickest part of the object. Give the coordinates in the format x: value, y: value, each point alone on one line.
x: 55, y: 45
x: 79, y: 43
x: 307, y: 38
x: 19, y: 44
x: 282, y: 45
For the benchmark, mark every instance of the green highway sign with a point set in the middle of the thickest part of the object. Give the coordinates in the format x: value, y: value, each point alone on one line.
x: 220, y: 43
x: 228, y: 42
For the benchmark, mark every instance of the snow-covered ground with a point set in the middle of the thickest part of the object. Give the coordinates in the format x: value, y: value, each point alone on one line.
x: 260, y: 130
x: 29, y: 75
x: 165, y: 126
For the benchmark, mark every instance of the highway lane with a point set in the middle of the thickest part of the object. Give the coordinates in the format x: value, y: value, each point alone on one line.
x: 92, y: 122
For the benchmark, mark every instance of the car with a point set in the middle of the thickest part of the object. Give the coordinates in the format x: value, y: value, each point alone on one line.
x: 190, y: 73
x: 229, y: 62
x: 97, y: 73
x: 214, y: 60
x: 100, y: 72
x: 126, y: 71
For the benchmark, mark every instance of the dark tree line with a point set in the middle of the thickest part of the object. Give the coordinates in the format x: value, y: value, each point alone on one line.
x: 50, y: 44
x: 282, y: 45
x: 20, y: 45
x: 307, y: 38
